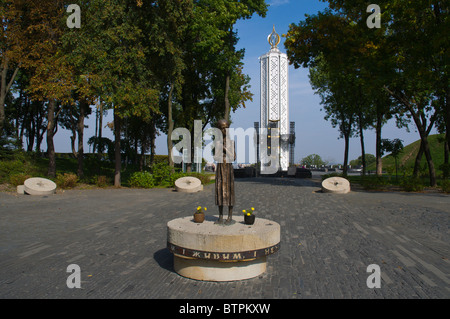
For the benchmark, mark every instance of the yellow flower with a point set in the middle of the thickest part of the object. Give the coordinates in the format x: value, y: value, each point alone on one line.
x: 249, y: 214
x: 206, y: 209
x: 244, y: 211
x: 253, y: 209
x: 199, y: 208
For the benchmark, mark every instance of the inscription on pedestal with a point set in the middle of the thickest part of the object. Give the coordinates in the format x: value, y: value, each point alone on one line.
x: 221, y: 256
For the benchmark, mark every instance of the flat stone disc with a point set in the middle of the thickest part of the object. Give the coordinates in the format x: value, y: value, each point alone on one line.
x: 188, y: 185
x: 336, y: 185
x: 39, y: 186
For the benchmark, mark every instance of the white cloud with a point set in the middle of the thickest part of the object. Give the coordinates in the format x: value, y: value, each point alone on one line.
x: 275, y: 3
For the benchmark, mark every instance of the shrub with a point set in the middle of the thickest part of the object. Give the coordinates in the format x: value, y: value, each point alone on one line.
x: 66, y: 180
x: 204, y: 178
x: 445, y: 186
x: 411, y: 184
x: 161, y: 174
x: 100, y: 181
x: 10, y: 167
x: 142, y: 180
x: 374, y: 182
x: 18, y: 179
x: 445, y: 170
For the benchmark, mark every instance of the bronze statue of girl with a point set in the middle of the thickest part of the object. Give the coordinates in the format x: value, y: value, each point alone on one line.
x: 224, y: 188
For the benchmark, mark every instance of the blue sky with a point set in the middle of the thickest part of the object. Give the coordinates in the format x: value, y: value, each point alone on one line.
x: 314, y: 134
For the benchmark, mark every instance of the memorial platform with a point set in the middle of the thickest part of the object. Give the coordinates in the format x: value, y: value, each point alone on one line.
x: 210, y: 252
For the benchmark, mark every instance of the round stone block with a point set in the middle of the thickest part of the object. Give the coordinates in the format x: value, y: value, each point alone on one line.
x: 21, y: 189
x: 188, y: 185
x: 210, y: 252
x: 336, y: 185
x: 39, y: 186
x: 219, y: 271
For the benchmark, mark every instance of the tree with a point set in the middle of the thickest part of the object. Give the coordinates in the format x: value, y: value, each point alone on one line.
x: 313, y: 160
x: 342, y: 63
x: 369, y: 160
x: 111, y: 52
x: 417, y: 44
x: 11, y: 42
x: 51, y: 75
x: 214, y: 84
x: 395, y: 147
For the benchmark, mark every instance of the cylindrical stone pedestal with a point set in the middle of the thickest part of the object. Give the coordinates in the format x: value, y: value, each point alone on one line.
x: 210, y: 252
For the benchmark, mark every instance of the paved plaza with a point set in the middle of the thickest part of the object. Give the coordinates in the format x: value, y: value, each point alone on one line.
x: 118, y: 239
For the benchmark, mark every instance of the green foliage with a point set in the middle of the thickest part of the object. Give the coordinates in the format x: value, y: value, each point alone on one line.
x: 445, y: 170
x: 407, y: 157
x: 312, y: 160
x: 374, y: 182
x: 161, y: 173
x: 161, y: 159
x: 66, y: 180
x: 18, y: 179
x: 18, y: 163
x: 411, y: 184
x: 445, y: 186
x: 400, y: 69
x: 370, y: 159
x: 100, y: 181
x: 204, y: 178
x: 142, y: 180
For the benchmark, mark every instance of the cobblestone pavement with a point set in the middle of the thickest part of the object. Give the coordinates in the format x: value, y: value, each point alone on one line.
x: 118, y: 238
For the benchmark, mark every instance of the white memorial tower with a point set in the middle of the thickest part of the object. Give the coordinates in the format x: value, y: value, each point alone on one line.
x: 275, y: 103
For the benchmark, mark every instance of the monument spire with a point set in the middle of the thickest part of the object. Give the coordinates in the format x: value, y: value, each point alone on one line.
x: 274, y: 115
x: 274, y: 38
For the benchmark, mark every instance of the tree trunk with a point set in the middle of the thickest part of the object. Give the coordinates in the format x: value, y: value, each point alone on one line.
x: 431, y: 169
x: 227, y: 99
x: 426, y: 146
x: 73, y: 138
x: 142, y: 158
x: 118, y: 158
x: 40, y: 133
x: 3, y: 93
x: 446, y: 150
x: 171, y: 124
x: 4, y: 89
x: 379, y: 161
x: 363, y: 149
x: 418, y: 160
x: 30, y: 126
x: 446, y: 158
x: 347, y: 148
x: 152, y: 141
x: 421, y: 123
x: 50, y: 145
x: 83, y: 106
x: 100, y: 132
x: 447, y: 115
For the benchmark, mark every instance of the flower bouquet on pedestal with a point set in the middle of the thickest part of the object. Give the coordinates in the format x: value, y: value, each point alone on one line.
x: 249, y: 217
x: 199, y: 215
